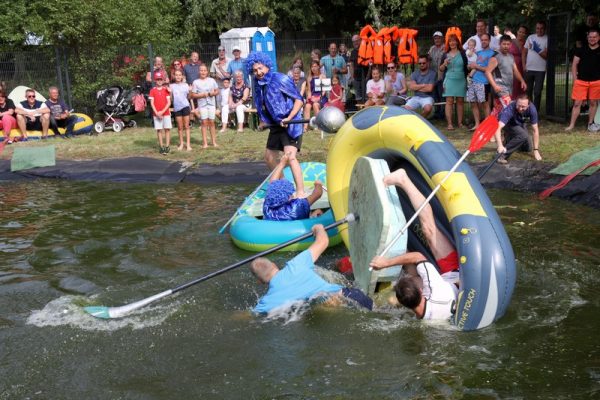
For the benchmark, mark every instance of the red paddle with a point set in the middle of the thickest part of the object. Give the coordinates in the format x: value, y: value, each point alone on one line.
x: 482, y: 135
x: 546, y: 193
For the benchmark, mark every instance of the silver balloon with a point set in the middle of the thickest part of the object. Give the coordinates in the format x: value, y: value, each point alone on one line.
x: 329, y: 119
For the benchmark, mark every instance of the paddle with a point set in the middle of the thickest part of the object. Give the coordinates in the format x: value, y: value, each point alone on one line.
x: 117, y: 312
x: 224, y: 227
x: 482, y: 135
x: 311, y: 122
x: 490, y: 165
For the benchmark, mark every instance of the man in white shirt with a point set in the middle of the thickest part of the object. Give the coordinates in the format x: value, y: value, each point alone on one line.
x: 421, y: 287
x: 218, y: 67
x: 535, y: 53
x: 480, y: 28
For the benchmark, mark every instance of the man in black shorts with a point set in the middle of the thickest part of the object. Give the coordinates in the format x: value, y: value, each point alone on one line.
x: 278, y: 102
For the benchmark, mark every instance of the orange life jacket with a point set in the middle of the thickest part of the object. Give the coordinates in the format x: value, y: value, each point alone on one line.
x: 408, y: 50
x: 377, y: 42
x: 389, y: 35
x: 365, y: 51
x: 453, y: 30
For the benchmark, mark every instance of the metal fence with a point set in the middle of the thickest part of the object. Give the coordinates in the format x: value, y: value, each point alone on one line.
x: 81, y: 73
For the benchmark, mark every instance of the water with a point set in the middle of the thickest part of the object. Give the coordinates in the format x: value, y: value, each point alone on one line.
x: 64, y: 245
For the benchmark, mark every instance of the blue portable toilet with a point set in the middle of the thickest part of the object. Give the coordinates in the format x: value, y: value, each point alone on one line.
x: 264, y: 40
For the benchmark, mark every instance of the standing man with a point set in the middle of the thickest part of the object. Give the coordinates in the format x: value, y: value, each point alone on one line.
x: 357, y: 71
x: 586, y: 72
x: 237, y: 64
x: 501, y: 71
x: 435, y: 54
x: 218, y: 67
x: 32, y: 115
x: 192, y: 68
x: 479, y: 88
x: 480, y: 28
x: 333, y: 62
x: 60, y: 116
x: 422, y: 82
x: 277, y: 102
x: 535, y: 53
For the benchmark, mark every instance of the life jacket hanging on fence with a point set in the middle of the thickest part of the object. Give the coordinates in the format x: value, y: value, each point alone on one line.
x: 388, y: 35
x: 408, y: 50
x: 453, y: 30
x: 377, y: 41
x: 365, y: 51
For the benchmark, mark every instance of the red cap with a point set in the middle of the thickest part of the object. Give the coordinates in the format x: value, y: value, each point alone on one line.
x: 159, y: 75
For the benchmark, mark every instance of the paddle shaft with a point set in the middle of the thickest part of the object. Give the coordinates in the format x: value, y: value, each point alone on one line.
x: 427, y: 200
x: 294, y: 121
x: 254, y: 257
x: 222, y: 230
x: 117, y: 312
x: 490, y: 165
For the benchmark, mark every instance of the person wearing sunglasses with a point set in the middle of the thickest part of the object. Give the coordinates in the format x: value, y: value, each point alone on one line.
x: 395, y: 86
x: 422, y: 82
x: 33, y: 115
x: 176, y: 65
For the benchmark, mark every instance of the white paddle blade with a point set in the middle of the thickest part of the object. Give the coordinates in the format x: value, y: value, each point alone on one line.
x: 118, y: 312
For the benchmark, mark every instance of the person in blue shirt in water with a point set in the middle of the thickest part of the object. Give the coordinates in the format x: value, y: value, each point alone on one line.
x: 278, y: 102
x: 281, y: 204
x: 298, y: 281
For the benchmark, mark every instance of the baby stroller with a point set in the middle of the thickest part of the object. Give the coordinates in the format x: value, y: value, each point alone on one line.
x: 116, y: 103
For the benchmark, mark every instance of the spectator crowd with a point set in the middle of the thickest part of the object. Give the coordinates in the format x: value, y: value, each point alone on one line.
x: 492, y: 70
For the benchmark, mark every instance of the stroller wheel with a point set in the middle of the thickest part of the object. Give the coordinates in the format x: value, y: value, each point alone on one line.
x: 118, y: 126
x: 99, y: 127
x: 132, y: 124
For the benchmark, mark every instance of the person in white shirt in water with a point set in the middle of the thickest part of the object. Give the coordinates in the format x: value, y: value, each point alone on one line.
x: 421, y: 288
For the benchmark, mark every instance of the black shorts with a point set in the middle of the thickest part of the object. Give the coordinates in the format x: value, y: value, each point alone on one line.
x: 278, y: 139
x: 35, y: 125
x: 488, y: 90
x: 184, y: 112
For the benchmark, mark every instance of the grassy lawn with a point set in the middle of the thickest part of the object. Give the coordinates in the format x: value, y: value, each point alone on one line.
x: 555, y: 145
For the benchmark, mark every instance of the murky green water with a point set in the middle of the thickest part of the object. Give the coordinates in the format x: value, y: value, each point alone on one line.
x: 65, y: 244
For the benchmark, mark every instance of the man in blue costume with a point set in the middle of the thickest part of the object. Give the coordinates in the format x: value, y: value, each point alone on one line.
x: 277, y: 102
x: 298, y: 281
x: 281, y: 204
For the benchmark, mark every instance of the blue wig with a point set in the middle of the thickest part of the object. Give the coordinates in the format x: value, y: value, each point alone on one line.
x: 278, y: 193
x: 258, y: 57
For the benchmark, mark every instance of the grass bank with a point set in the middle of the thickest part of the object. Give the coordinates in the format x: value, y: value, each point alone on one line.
x: 555, y: 145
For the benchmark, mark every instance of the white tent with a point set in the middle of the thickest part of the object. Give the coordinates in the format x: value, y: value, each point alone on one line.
x: 241, y: 37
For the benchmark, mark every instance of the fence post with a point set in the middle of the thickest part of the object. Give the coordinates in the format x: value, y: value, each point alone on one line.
x: 151, y: 59
x: 67, y: 76
x: 58, y: 69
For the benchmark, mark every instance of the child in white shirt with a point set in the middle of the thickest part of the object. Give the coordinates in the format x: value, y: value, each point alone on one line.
x: 224, y: 104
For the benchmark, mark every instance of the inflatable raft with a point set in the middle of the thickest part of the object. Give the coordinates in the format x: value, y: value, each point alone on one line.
x: 84, y: 123
x: 250, y: 232
x: 461, y: 207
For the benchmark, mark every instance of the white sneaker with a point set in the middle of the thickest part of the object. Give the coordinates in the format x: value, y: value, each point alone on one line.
x: 593, y: 127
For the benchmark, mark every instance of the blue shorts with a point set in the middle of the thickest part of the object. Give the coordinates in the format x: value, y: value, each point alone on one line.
x: 358, y: 296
